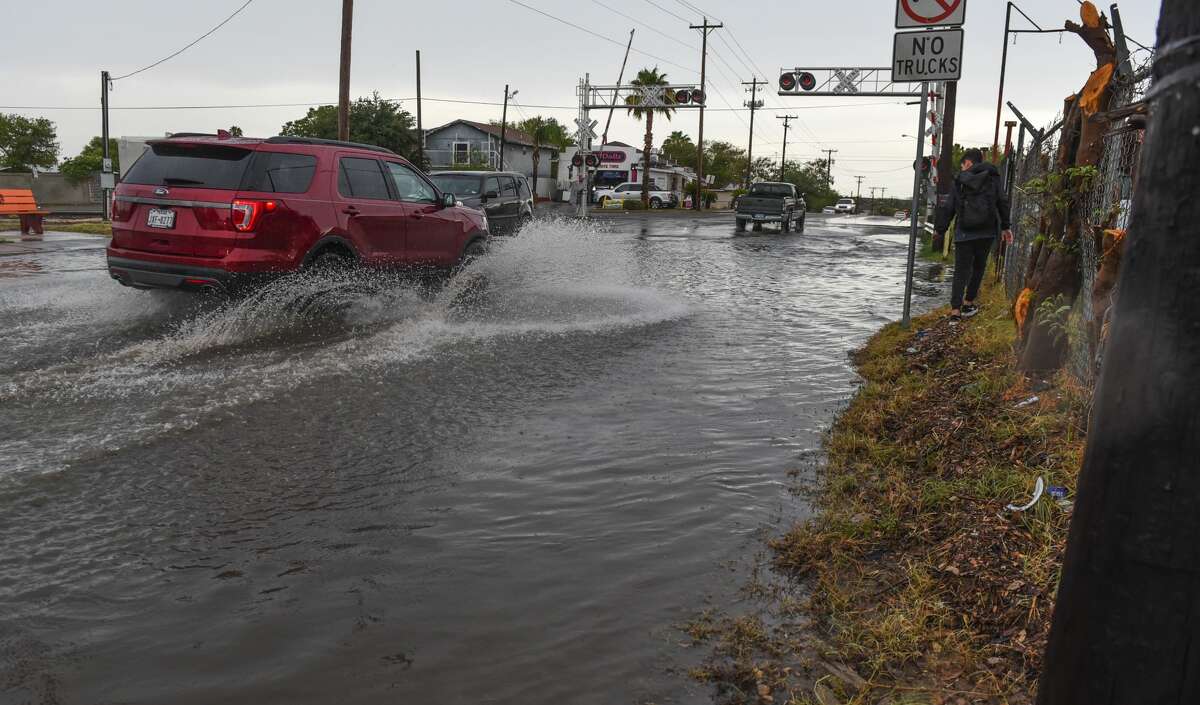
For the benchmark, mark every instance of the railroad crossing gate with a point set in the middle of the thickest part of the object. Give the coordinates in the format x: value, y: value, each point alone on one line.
x: 930, y: 13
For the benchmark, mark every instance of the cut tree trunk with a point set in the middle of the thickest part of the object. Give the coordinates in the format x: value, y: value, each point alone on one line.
x: 1126, y: 626
x: 1054, y: 277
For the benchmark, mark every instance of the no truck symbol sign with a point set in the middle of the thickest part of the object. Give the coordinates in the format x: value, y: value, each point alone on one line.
x: 930, y: 13
x: 927, y: 56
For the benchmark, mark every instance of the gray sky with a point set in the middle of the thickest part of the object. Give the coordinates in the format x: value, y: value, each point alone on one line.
x: 280, y: 51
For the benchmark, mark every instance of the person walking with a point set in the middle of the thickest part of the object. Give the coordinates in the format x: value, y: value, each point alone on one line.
x: 978, y: 205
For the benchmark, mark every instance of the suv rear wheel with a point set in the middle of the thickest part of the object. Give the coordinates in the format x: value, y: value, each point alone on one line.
x: 331, y: 260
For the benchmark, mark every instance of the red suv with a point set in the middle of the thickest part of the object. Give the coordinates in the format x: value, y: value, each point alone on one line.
x: 211, y: 213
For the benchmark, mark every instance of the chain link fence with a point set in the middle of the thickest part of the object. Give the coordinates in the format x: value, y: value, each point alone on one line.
x: 1105, y: 205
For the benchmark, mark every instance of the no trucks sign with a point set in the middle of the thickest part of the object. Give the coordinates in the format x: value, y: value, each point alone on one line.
x: 930, y: 13
x: 927, y: 56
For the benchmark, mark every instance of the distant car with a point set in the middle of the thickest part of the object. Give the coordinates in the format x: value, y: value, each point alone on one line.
x: 633, y: 191
x: 771, y: 202
x: 503, y: 195
x: 846, y: 205
x: 214, y: 213
x: 828, y: 210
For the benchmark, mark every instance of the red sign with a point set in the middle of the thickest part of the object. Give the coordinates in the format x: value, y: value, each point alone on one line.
x: 611, y: 156
x: 920, y: 13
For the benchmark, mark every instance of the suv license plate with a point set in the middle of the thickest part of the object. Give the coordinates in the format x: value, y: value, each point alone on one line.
x: 161, y: 218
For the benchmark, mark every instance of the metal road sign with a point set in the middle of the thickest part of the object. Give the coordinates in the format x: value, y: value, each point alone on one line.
x: 586, y: 129
x: 927, y: 56
x: 930, y: 13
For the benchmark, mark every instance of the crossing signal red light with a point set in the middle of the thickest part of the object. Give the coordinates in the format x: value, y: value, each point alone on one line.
x: 787, y: 82
x: 808, y: 81
x: 592, y: 160
x: 577, y: 160
x: 682, y: 96
x: 698, y: 96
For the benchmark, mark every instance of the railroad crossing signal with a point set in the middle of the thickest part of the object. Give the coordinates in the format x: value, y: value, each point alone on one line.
x: 586, y: 131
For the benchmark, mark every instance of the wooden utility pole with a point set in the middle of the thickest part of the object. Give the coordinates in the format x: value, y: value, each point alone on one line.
x: 858, y: 188
x: 1125, y: 624
x: 829, y: 164
x: 704, y: 30
x: 104, y: 193
x: 420, y: 125
x: 945, y: 165
x: 344, y: 72
x: 787, y: 122
x: 754, y: 105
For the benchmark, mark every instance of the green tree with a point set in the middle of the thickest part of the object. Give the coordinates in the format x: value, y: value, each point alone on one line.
x: 555, y: 133
x: 235, y: 131
x: 540, y: 131
x: 810, y: 180
x: 725, y: 162
x: 649, y: 78
x: 26, y: 142
x: 372, y: 121
x: 680, y: 148
x: 89, y: 160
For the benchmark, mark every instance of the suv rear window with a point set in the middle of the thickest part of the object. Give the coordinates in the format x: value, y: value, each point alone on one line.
x: 525, y: 195
x: 280, y: 172
x: 190, y: 165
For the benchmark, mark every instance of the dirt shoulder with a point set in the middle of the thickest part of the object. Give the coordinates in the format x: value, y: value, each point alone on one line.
x: 914, y: 583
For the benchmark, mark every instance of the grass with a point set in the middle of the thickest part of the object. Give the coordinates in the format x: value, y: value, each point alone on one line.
x: 919, y: 586
x: 89, y: 227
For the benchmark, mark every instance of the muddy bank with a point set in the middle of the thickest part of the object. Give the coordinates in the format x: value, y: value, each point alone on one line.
x: 914, y: 583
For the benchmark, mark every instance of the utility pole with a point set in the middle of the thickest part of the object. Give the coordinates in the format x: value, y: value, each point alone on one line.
x: 344, y: 72
x: 503, y: 127
x: 1000, y: 93
x: 420, y: 126
x: 1124, y: 627
x: 946, y: 165
x: 106, y: 165
x: 754, y: 105
x: 787, y: 121
x: 858, y: 189
x: 620, y: 77
x: 704, y: 30
x: 829, y: 164
x: 918, y: 180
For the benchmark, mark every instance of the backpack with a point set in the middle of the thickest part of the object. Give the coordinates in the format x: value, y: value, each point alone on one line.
x: 977, y: 203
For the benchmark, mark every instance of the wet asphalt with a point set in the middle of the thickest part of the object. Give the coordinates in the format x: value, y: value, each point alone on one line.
x: 513, y: 490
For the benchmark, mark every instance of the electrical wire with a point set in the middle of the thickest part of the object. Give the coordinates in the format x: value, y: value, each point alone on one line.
x: 597, y: 35
x: 189, y: 46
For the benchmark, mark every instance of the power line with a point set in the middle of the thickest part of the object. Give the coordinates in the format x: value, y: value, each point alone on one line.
x: 672, y: 14
x: 189, y: 46
x: 597, y: 35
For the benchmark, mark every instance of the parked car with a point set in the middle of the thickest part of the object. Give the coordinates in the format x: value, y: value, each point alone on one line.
x: 828, y: 210
x: 200, y: 212
x: 633, y: 191
x: 771, y: 202
x: 503, y: 195
x: 846, y: 205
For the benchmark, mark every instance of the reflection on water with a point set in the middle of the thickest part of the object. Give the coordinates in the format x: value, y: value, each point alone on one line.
x: 361, y: 489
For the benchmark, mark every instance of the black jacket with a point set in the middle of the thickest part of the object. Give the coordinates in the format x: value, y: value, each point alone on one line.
x: 951, y: 209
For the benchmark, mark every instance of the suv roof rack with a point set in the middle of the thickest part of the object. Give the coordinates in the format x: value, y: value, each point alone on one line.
x: 282, y: 139
x: 176, y: 135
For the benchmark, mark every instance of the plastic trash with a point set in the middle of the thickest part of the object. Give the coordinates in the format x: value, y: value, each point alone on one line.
x: 1057, y: 492
x: 1031, y: 400
x: 1038, y: 488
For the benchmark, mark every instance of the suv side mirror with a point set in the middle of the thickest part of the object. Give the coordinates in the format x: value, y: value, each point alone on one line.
x: 490, y: 195
x: 449, y: 200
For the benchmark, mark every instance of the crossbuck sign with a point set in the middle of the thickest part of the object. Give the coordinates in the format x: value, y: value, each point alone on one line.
x: 927, y: 56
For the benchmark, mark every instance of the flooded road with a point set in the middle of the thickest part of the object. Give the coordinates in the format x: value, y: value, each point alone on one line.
x: 347, y: 491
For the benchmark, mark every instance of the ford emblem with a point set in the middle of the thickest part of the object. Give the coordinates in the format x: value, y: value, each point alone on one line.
x: 161, y: 191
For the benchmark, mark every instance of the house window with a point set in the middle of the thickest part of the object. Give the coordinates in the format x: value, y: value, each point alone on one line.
x: 462, y: 152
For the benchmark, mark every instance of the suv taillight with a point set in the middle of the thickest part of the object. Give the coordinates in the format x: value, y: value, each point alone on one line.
x: 245, y: 214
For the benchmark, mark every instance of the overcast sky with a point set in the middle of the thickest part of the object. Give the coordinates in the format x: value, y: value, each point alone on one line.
x: 282, y: 51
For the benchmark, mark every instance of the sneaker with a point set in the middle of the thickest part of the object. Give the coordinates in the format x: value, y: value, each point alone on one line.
x: 969, y: 310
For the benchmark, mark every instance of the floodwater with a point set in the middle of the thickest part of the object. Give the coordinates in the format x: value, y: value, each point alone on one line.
x: 351, y: 491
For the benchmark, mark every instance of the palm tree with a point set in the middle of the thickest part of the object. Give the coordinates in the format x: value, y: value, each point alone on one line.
x: 540, y: 130
x: 649, y: 78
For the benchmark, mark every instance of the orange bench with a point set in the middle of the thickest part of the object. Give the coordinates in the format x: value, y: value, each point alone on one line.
x: 20, y: 202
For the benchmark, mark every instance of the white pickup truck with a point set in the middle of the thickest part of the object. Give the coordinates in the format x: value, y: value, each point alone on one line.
x: 633, y: 191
